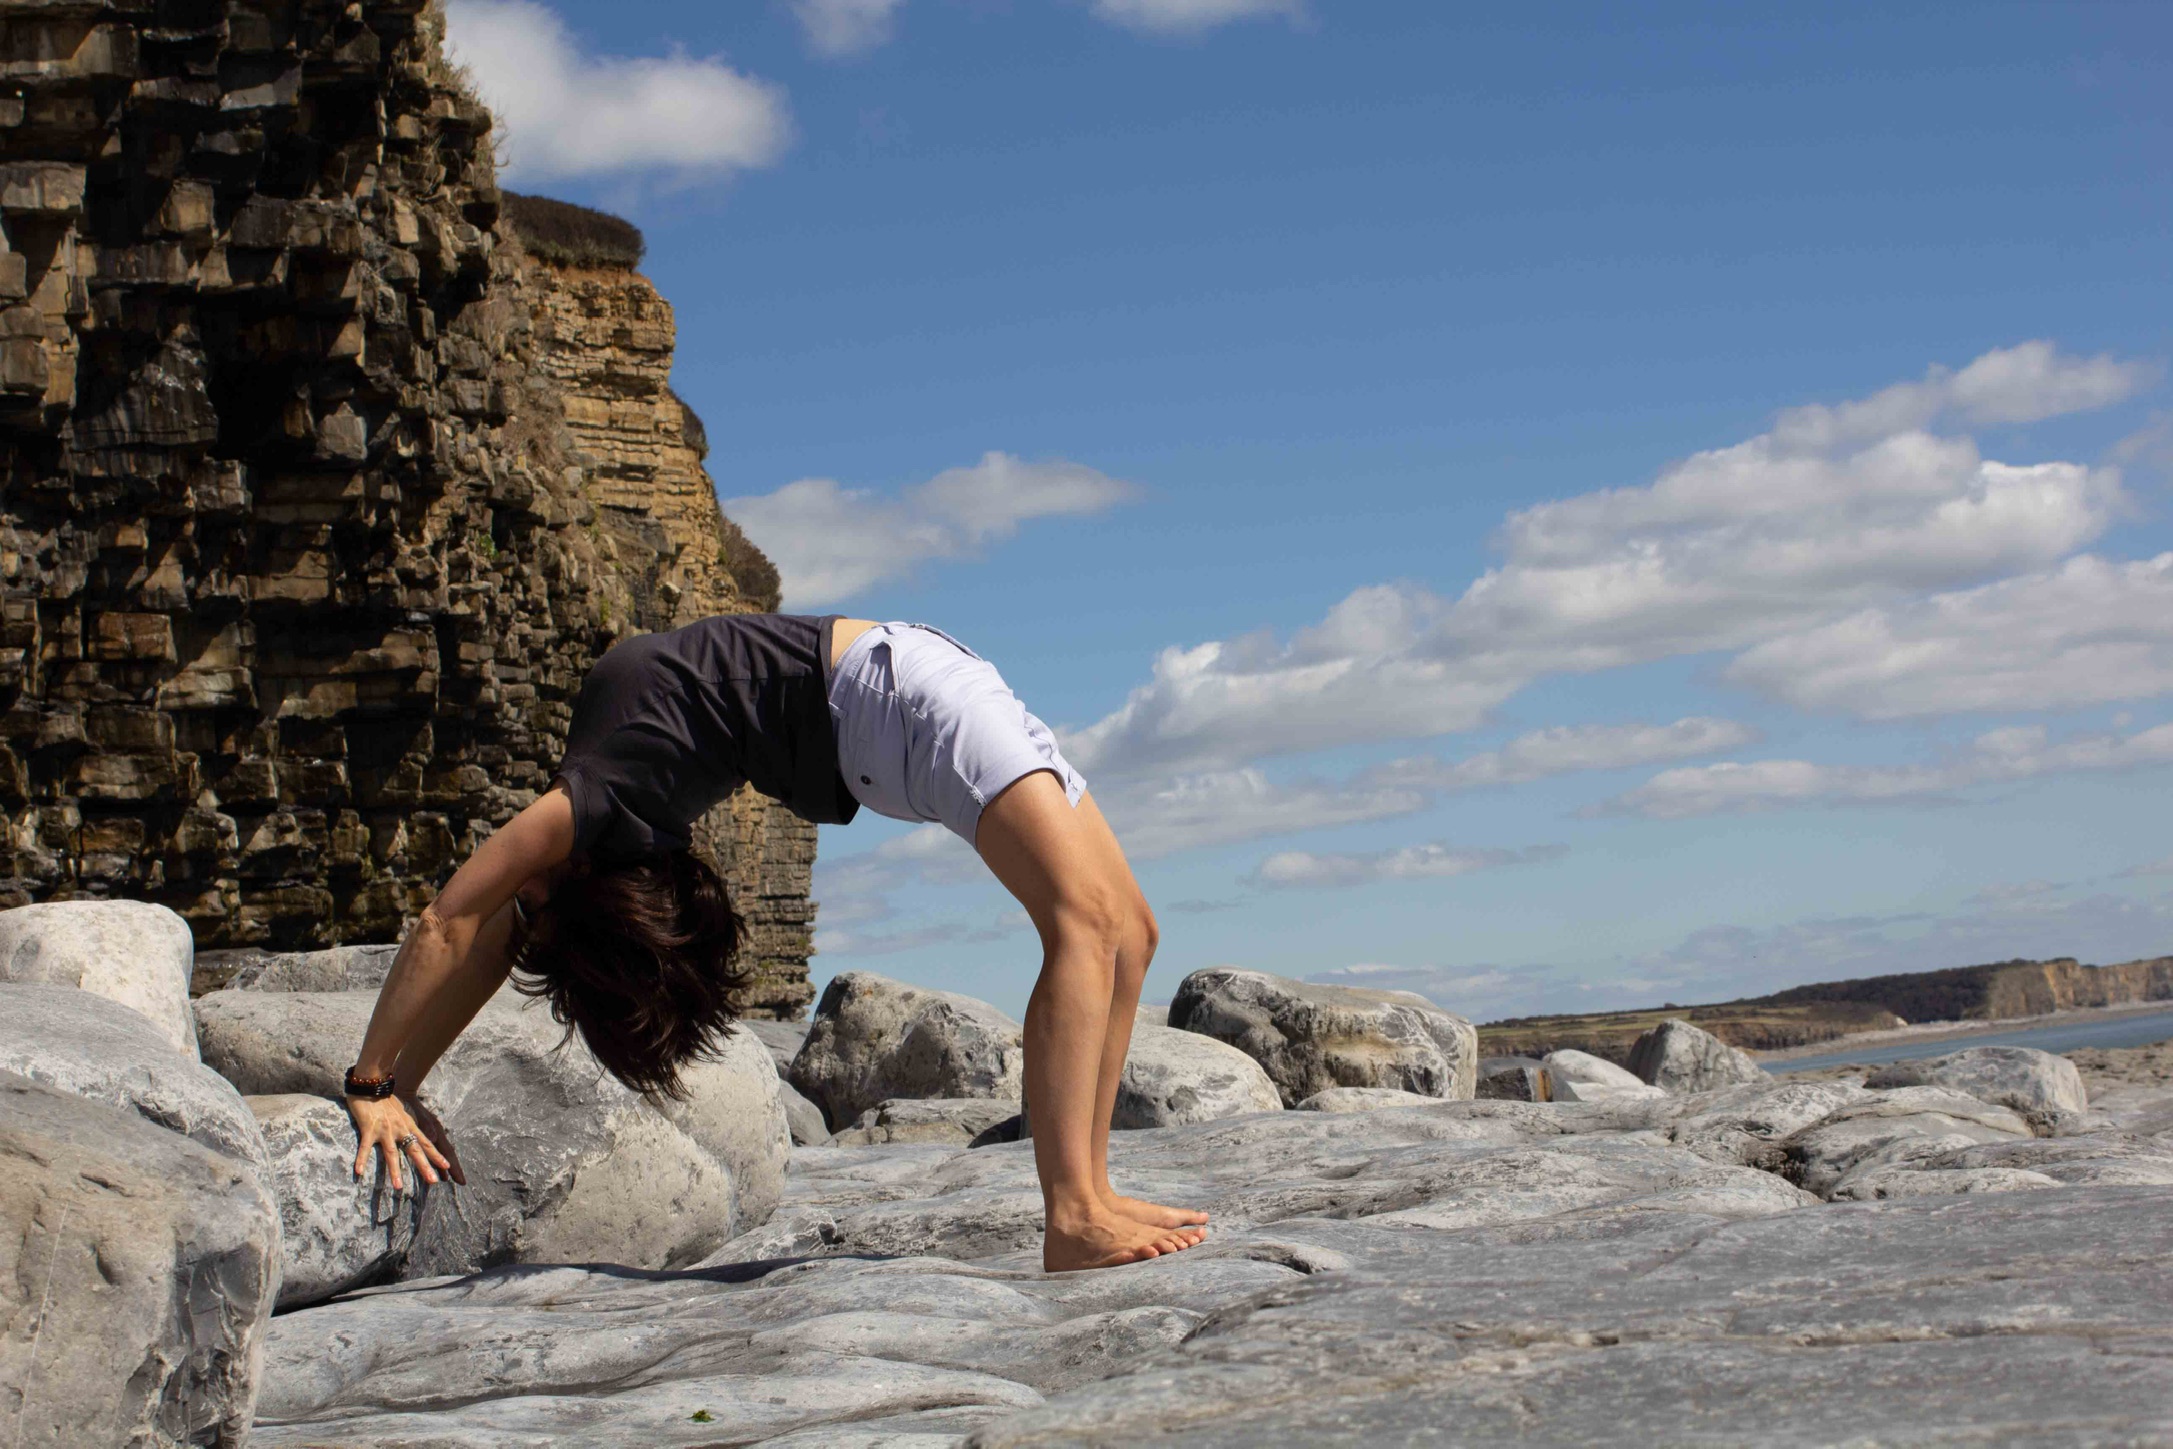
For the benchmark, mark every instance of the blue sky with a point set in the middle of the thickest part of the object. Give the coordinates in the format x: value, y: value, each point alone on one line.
x: 1559, y: 509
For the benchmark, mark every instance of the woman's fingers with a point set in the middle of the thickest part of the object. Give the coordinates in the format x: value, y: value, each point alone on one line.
x: 391, y: 1151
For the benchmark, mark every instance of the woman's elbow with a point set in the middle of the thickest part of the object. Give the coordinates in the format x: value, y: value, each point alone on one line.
x: 432, y: 930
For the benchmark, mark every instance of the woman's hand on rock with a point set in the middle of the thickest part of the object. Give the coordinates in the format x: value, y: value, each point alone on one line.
x: 382, y: 1123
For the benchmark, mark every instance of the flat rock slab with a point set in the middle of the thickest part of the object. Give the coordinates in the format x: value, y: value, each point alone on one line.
x: 1380, y: 1276
x: 1863, y: 1325
x: 127, y: 951
x: 959, y: 1121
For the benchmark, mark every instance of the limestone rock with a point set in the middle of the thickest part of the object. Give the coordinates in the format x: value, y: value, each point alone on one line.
x: 1519, y: 1082
x: 735, y: 1111
x: 874, y: 1039
x: 1174, y: 1077
x: 1678, y: 1057
x: 336, y: 1231
x: 563, y: 1163
x: 958, y: 1121
x: 91, y: 1046
x: 1311, y: 1037
x: 1362, y: 1099
x: 127, y: 951
x: 137, y: 1272
x: 1908, y: 1127
x: 1851, y: 1324
x: 782, y: 1039
x: 339, y: 968
x: 1367, y: 1279
x: 2045, y: 1088
x: 1575, y: 1076
x: 802, y: 1117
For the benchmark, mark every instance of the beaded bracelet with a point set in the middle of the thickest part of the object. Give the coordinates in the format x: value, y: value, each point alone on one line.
x: 374, y: 1089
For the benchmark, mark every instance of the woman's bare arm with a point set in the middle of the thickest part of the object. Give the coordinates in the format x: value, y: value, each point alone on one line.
x: 452, y: 961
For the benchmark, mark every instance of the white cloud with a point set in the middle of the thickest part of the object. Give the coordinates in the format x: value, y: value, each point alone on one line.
x: 830, y: 942
x: 1835, y: 510
x: 847, y: 27
x: 2026, y: 383
x: 1188, y: 17
x: 2029, y: 921
x: 830, y: 542
x: 1725, y: 962
x: 1567, y: 748
x: 1189, y: 812
x: 1999, y: 756
x: 566, y: 114
x: 1434, y: 861
x: 2087, y: 632
x: 1161, y: 815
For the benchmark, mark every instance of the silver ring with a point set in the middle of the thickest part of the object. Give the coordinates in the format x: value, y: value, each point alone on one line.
x: 404, y: 1143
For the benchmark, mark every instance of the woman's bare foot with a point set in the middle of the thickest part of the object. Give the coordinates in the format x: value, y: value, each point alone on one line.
x: 1153, y: 1214
x: 1103, y: 1240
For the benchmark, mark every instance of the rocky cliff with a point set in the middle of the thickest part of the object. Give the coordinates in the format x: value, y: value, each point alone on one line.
x: 2000, y: 990
x: 319, y: 488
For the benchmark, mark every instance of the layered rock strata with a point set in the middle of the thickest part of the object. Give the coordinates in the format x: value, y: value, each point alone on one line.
x: 318, y: 492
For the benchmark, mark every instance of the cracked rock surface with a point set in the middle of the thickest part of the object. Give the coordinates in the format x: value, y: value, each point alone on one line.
x: 1646, y: 1268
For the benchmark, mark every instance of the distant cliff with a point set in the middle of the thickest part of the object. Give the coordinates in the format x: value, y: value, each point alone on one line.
x: 1830, y: 1010
x: 320, y: 488
x: 1996, y: 991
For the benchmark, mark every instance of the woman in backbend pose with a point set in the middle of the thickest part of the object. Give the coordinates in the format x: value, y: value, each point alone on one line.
x: 592, y: 893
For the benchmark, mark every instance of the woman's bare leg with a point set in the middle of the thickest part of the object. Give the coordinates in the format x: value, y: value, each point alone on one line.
x: 1041, y: 850
x: 1135, y: 953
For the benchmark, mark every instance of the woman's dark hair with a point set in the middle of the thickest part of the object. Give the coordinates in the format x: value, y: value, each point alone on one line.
x: 641, y: 958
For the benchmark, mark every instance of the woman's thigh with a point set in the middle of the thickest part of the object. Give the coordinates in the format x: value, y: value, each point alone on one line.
x: 1058, y: 859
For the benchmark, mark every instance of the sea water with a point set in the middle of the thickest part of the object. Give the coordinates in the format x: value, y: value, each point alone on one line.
x: 2127, y: 1029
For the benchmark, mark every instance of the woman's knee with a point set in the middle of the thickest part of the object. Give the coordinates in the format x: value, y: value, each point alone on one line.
x: 1088, y: 914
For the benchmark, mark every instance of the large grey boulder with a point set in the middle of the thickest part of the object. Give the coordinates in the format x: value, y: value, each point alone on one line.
x: 735, y: 1111
x: 127, y: 951
x: 956, y: 1121
x: 137, y: 1272
x: 874, y: 1039
x: 90, y: 1046
x: 1678, y: 1057
x: 2042, y: 1087
x: 803, y: 1117
x: 1174, y: 1077
x: 337, y: 1231
x: 782, y: 1039
x: 336, y: 968
x: 1575, y: 1076
x: 563, y: 1163
x: 1310, y: 1037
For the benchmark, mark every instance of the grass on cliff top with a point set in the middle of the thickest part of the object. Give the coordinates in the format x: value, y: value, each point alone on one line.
x: 1755, y: 1026
x: 574, y: 236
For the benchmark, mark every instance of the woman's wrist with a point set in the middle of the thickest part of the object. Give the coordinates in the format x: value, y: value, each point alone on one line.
x: 367, y: 1084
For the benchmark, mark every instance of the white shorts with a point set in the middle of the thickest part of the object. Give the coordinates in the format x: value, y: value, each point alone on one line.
x: 928, y: 730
